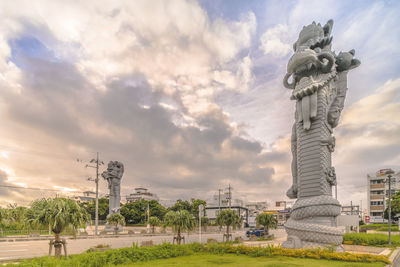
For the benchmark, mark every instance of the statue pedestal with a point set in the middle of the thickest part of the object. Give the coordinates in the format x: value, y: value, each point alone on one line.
x: 111, y: 228
x: 312, y: 223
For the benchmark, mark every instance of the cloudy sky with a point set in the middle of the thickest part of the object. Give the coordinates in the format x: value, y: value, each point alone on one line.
x: 187, y: 94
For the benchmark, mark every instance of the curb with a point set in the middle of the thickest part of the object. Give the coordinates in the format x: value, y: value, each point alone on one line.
x: 395, y: 258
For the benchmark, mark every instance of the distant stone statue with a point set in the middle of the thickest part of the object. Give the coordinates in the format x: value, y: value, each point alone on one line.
x: 318, y: 78
x: 113, y: 175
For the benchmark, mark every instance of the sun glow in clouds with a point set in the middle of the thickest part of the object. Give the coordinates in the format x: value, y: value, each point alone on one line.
x: 65, y: 189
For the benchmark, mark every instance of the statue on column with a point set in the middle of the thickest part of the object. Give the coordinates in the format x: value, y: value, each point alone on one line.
x: 318, y: 78
x: 113, y: 175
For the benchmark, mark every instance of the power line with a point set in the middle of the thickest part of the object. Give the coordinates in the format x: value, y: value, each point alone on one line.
x: 15, y: 149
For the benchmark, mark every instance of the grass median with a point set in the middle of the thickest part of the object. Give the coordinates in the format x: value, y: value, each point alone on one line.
x: 140, y: 255
x: 209, y: 260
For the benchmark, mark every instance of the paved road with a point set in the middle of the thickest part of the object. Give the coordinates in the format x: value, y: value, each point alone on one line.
x: 30, y: 249
x: 37, y: 248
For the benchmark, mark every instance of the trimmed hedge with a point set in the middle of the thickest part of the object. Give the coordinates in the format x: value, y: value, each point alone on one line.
x: 386, y: 229
x: 375, y: 226
x: 167, y: 250
x: 370, y: 239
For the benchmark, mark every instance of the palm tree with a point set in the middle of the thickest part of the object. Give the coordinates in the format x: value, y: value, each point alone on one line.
x: 228, y: 218
x: 116, y: 219
x: 267, y: 220
x: 205, y: 221
x: 154, y: 221
x: 180, y: 220
x: 59, y: 214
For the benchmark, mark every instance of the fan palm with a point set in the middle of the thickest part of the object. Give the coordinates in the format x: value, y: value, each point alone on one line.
x: 228, y: 218
x: 180, y: 220
x: 267, y: 220
x: 59, y: 214
x: 154, y: 221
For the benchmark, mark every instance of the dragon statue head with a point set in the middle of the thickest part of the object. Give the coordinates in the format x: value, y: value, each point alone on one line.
x: 312, y: 60
x: 115, y: 170
x: 313, y: 66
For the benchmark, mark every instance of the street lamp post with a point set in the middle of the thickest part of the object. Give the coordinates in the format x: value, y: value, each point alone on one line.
x: 389, y: 173
x: 200, y: 213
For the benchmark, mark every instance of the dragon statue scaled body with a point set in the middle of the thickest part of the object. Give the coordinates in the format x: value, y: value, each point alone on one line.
x: 318, y: 78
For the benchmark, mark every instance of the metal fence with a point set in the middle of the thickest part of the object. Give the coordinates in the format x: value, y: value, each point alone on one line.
x: 23, y: 233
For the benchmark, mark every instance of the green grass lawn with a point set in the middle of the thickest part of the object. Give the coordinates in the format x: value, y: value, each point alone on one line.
x: 230, y: 260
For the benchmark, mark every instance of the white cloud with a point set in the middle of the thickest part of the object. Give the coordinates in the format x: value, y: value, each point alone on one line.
x: 271, y: 41
x: 383, y: 105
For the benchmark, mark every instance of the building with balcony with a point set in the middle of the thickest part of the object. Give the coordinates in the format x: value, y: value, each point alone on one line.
x: 141, y: 193
x: 378, y: 193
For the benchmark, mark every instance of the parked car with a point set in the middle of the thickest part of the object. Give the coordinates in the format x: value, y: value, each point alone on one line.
x: 255, y: 232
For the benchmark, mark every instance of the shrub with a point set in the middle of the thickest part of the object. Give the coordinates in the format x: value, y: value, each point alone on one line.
x: 167, y: 250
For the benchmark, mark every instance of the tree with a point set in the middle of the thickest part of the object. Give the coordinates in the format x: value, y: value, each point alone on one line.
x: 228, y: 218
x: 180, y: 220
x: 181, y: 205
x: 135, y: 212
x: 194, y: 207
x: 116, y: 219
x: 59, y: 213
x: 13, y: 217
x: 154, y: 221
x: 395, y: 206
x: 16, y: 214
x: 90, y: 207
x: 205, y: 221
x: 267, y: 220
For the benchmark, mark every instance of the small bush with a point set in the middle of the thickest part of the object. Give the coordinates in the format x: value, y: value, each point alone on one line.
x: 99, y: 247
x: 211, y: 241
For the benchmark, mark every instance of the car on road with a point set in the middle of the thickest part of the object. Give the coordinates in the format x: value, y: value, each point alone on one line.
x: 256, y: 232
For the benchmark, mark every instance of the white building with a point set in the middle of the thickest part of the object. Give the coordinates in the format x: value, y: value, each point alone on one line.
x: 86, y: 196
x: 223, y: 200
x: 141, y: 193
x: 378, y: 193
x: 256, y: 208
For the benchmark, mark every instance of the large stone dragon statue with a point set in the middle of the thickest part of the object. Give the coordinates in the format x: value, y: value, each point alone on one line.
x: 318, y: 78
x: 113, y: 175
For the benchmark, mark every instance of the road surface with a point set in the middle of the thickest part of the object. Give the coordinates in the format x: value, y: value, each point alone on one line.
x: 36, y: 248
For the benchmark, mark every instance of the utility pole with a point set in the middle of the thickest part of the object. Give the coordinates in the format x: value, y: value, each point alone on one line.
x: 97, y: 193
x: 390, y: 209
x: 389, y: 173
x: 97, y: 187
x: 147, y: 214
x: 351, y: 207
x: 219, y: 199
x: 230, y: 196
x: 200, y: 213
